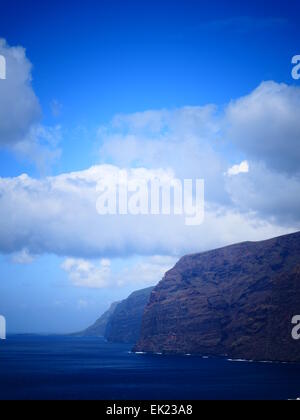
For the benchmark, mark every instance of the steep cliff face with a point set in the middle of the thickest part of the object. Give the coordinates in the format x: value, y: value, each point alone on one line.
x: 124, y: 325
x: 237, y: 302
x: 122, y: 322
x: 99, y: 328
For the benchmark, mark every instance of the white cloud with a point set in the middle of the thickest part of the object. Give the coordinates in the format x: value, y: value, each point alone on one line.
x: 40, y: 146
x: 242, y: 168
x: 186, y: 140
x: 265, y: 125
x: 19, y: 106
x: 20, y: 112
x: 262, y: 129
x: 270, y: 195
x: 84, y: 273
x: 102, y: 274
x: 57, y: 215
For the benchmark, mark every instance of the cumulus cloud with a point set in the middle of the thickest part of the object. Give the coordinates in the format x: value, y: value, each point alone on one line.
x: 265, y: 126
x: 242, y: 168
x: 20, y: 112
x: 19, y: 106
x: 262, y: 129
x: 40, y: 146
x: 58, y: 215
x: 84, y: 273
x: 186, y: 140
x: 270, y: 195
x: 101, y: 274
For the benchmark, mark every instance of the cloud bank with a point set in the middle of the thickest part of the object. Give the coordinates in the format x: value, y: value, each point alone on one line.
x: 58, y: 215
x: 247, y: 153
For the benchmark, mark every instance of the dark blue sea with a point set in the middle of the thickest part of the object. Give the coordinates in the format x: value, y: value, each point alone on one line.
x: 82, y: 369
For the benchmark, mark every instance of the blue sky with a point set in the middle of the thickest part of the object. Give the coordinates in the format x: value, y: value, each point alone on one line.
x: 93, y: 61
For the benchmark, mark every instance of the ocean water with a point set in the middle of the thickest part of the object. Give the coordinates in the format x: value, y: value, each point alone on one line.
x: 82, y: 369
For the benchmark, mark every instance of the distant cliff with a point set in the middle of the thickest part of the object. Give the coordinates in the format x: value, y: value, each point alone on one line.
x: 98, y: 329
x: 124, y: 326
x: 236, y: 302
x: 122, y: 322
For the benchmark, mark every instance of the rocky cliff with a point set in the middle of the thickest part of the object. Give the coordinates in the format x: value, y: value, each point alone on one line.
x: 236, y: 302
x: 99, y: 328
x: 124, y: 325
x: 122, y: 322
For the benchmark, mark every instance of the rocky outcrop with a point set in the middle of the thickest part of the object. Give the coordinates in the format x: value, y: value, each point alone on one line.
x: 122, y: 322
x: 236, y: 302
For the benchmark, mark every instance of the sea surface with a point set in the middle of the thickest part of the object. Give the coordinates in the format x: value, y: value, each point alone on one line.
x: 36, y: 367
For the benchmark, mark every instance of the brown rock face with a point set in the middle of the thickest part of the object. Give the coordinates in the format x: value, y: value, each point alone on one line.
x: 238, y: 301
